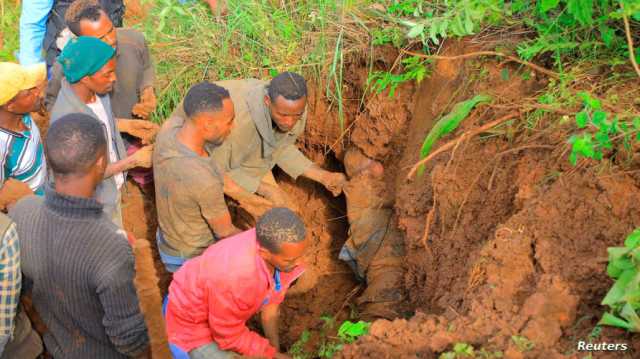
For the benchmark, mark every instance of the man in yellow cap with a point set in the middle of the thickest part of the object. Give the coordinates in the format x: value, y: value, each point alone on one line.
x: 22, y: 163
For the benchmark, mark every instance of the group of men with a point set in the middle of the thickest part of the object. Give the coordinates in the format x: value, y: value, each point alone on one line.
x: 65, y: 243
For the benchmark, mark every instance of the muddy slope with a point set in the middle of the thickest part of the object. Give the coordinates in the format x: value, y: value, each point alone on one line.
x: 517, y: 240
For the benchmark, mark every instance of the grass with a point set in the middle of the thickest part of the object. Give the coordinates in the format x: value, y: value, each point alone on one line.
x: 9, y: 19
x: 256, y: 39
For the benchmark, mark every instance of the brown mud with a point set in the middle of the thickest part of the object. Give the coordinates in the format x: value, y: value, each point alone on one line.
x: 516, y: 245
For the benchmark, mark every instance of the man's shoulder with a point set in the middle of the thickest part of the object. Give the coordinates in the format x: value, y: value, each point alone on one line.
x: 129, y: 36
x: 26, y: 207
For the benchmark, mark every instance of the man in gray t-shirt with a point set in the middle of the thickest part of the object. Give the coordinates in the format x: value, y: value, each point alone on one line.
x: 191, y: 209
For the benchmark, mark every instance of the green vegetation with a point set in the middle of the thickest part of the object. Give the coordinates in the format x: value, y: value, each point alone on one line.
x: 449, y: 123
x: 9, y: 18
x: 348, y: 332
x: 607, y: 129
x: 464, y: 350
x: 624, y: 296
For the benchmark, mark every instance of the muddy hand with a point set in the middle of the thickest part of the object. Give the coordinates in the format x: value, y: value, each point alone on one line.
x: 12, y: 191
x: 334, y: 182
x: 144, y: 130
x: 147, y: 104
x: 142, y: 157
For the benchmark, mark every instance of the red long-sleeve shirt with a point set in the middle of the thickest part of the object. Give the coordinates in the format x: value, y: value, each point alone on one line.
x: 213, y: 295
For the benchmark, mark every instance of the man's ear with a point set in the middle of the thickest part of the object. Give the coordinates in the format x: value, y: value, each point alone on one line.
x: 264, y: 253
x: 267, y: 100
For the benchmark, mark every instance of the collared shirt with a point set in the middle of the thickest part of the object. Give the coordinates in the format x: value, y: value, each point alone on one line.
x: 33, y: 26
x: 22, y: 156
x: 213, y: 295
x: 10, y: 280
x: 134, y: 73
x: 253, y: 148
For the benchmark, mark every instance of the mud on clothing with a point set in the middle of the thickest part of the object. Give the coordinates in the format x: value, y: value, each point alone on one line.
x: 212, y: 296
x: 374, y: 248
x: 81, y: 268
x: 253, y: 148
x: 22, y: 156
x: 134, y: 73
x: 189, y: 190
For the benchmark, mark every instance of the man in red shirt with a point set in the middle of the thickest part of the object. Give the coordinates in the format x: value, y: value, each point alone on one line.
x: 213, y: 295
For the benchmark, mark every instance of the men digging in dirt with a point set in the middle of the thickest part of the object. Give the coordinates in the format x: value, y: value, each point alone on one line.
x: 212, y: 296
x: 79, y: 263
x: 132, y: 93
x: 192, y: 212
x: 22, y: 165
x: 269, y: 118
x: 89, y: 65
x: 374, y: 249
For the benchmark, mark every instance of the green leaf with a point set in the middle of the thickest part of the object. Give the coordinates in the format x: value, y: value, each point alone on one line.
x: 599, y: 117
x: 349, y: 330
x: 633, y: 239
x: 582, y: 118
x: 612, y: 320
x: 636, y: 123
x: 608, y: 35
x: 582, y: 10
x: 546, y: 5
x: 448, y: 123
x: 593, y: 103
x: 629, y: 313
x: 415, y: 31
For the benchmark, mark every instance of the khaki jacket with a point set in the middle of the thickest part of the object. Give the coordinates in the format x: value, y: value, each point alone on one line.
x: 253, y: 148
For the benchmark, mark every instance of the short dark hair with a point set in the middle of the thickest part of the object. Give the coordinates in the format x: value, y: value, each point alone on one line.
x: 82, y: 10
x: 73, y: 144
x: 289, y: 85
x: 279, y: 225
x: 204, y: 97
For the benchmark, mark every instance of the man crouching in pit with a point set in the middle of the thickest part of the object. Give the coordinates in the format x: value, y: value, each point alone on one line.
x: 374, y: 249
x: 213, y: 295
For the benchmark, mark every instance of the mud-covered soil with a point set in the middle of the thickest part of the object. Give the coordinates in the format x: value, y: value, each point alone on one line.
x: 516, y: 246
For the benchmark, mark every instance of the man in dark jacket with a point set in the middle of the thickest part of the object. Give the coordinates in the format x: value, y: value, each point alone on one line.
x: 79, y: 263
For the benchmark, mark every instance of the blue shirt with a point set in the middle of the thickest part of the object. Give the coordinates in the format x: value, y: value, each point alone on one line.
x: 33, y: 26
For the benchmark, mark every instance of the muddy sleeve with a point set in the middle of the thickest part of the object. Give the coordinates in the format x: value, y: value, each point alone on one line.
x: 53, y: 86
x: 123, y: 320
x: 228, y: 314
x: 291, y: 160
x: 208, y: 192
x: 148, y: 74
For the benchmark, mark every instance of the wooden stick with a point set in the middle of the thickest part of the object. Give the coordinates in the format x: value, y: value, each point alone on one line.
x: 627, y: 30
x: 453, y: 142
x: 485, y: 53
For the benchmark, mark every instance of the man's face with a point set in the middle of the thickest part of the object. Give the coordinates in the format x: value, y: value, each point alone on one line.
x: 290, y: 256
x: 216, y: 126
x: 26, y: 101
x: 285, y: 113
x: 102, y: 81
x: 102, y: 29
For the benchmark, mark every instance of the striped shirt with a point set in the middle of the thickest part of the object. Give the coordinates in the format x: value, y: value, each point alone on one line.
x: 22, y: 156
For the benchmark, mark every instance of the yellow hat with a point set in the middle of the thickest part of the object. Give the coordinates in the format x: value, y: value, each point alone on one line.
x: 15, y: 78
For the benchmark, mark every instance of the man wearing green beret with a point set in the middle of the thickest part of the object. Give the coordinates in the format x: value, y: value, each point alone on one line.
x: 89, y: 66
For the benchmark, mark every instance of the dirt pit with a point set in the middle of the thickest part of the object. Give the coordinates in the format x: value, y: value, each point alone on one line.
x: 505, y: 241
x: 325, y: 290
